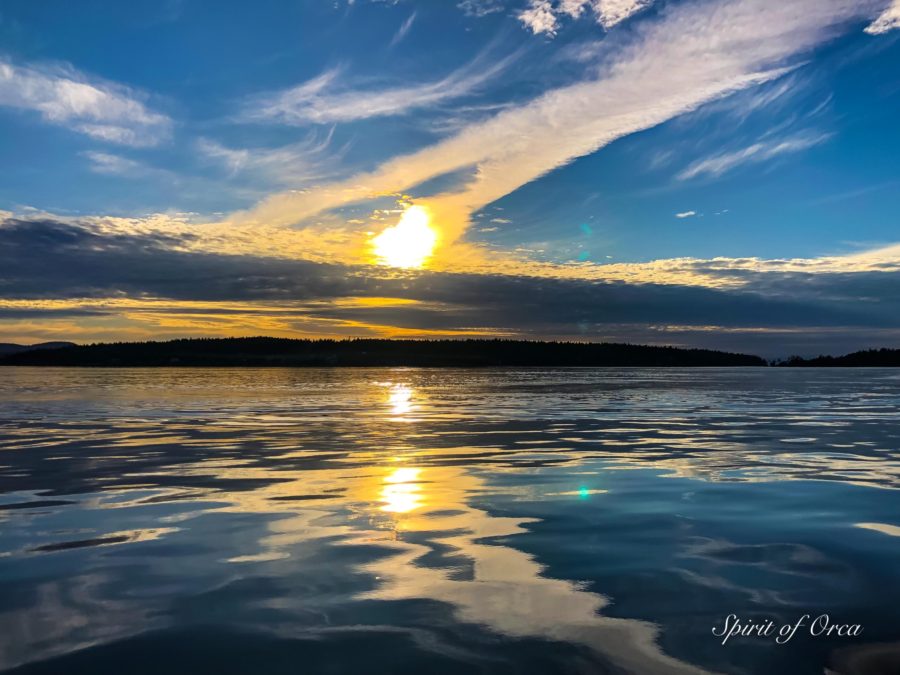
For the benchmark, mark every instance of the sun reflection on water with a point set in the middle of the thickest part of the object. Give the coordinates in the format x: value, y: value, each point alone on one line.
x: 402, y: 493
x: 400, y: 399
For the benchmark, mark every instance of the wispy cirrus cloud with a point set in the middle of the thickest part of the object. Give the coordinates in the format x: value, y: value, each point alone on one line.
x: 403, y: 31
x: 66, y: 97
x: 328, y: 99
x: 763, y: 151
x: 116, y: 165
x: 480, y: 8
x: 311, y: 158
x: 720, y: 48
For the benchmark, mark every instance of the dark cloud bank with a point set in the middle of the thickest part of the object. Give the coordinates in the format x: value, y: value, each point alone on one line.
x: 774, y: 313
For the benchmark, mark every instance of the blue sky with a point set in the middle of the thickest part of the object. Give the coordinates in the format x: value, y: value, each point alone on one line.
x: 739, y: 148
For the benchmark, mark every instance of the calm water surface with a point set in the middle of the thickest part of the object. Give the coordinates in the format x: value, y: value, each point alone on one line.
x: 446, y: 521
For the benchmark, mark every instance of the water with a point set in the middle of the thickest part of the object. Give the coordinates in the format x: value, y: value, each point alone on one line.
x: 446, y: 521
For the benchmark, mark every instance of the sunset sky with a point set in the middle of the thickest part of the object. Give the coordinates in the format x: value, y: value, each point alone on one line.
x: 713, y: 173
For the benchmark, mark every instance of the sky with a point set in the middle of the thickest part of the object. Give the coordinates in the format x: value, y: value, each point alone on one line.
x: 703, y: 173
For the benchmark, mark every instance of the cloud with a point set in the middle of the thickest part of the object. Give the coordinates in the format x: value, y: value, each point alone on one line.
x: 611, y: 12
x: 480, y: 8
x: 116, y: 165
x: 403, y: 30
x: 325, y: 99
x: 106, y: 163
x: 309, y: 159
x: 775, y: 97
x: 719, y: 48
x: 758, y: 152
x: 886, y: 21
x: 542, y: 16
x: 84, y: 260
x: 102, y: 110
x: 686, y: 214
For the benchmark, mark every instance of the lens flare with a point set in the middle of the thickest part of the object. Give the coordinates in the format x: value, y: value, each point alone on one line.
x: 410, y: 242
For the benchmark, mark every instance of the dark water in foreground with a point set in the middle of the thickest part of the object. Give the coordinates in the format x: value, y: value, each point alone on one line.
x: 446, y: 521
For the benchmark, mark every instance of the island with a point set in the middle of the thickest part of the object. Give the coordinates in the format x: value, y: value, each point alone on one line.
x: 267, y: 351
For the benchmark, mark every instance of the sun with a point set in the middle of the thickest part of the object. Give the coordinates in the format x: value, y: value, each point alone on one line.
x: 410, y: 242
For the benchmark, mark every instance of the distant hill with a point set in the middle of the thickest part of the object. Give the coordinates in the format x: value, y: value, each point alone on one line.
x: 11, y: 348
x: 263, y: 351
x: 874, y: 358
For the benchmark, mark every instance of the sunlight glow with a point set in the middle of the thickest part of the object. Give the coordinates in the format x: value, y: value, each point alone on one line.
x: 410, y: 242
